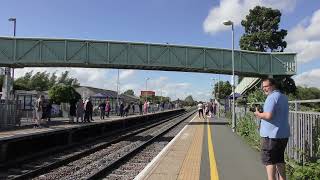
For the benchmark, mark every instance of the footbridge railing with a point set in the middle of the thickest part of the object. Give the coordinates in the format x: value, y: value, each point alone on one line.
x: 45, y: 52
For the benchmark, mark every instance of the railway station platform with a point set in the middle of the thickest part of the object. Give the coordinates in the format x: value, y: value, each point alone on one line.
x: 205, y: 149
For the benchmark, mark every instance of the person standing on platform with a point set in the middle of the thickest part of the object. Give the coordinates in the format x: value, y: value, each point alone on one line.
x: 90, y: 109
x: 72, y: 111
x: 87, y: 110
x: 49, y: 109
x: 162, y: 106
x: 34, y: 111
x: 200, y: 110
x: 86, y: 113
x: 108, y: 108
x: 102, y: 108
x: 121, y: 109
x: 39, y: 110
x: 133, y: 108
x: 214, y: 107
x: 140, y: 108
x: 145, y: 107
x: 127, y: 109
x: 80, y: 110
x: 274, y: 130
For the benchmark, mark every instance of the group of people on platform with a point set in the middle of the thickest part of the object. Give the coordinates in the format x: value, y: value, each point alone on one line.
x: 41, y: 111
x: 83, y: 110
x: 208, y: 109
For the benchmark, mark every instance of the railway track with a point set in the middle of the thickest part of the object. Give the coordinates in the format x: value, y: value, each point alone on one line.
x: 130, y: 167
x: 131, y: 162
x: 39, y: 169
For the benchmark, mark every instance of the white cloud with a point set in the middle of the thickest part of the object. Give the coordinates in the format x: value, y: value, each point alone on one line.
x: 305, y: 39
x: 125, y: 74
x: 87, y: 77
x: 309, y: 79
x: 163, y: 85
x: 236, y: 10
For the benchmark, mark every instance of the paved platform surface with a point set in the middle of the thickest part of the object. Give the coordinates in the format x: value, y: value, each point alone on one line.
x: 206, y: 149
x: 55, y: 124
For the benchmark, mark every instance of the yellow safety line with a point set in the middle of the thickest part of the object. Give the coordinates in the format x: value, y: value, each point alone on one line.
x: 213, y: 165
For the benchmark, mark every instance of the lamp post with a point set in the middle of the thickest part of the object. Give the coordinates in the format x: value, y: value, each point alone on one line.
x: 147, y: 88
x: 214, y: 83
x: 161, y: 94
x: 118, y: 104
x: 8, y: 82
x: 218, y: 95
x: 14, y: 20
x: 230, y: 23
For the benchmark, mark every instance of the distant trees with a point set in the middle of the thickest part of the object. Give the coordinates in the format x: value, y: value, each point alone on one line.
x: 42, y: 81
x: 61, y: 93
x: 304, y: 93
x: 129, y: 92
x: 224, y: 88
x: 155, y: 99
x: 189, y: 101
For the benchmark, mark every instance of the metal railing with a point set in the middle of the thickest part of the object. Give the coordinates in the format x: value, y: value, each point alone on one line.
x: 304, y: 142
x: 305, y: 135
x: 9, y: 114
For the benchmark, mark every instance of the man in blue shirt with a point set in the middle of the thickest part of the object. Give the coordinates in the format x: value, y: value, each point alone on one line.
x: 274, y: 129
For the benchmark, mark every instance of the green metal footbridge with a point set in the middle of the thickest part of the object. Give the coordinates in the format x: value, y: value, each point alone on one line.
x: 45, y: 52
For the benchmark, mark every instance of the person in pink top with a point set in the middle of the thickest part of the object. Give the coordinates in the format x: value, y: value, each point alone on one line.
x: 145, y: 107
x: 80, y: 110
x: 108, y: 108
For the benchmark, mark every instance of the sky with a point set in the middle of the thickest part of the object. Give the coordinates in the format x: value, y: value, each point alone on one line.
x: 182, y: 22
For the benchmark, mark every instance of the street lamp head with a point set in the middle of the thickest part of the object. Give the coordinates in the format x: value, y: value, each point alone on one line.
x: 228, y: 23
x: 12, y: 19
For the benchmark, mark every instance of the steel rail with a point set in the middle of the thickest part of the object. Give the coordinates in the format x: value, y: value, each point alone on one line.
x: 64, y: 161
x: 100, y: 173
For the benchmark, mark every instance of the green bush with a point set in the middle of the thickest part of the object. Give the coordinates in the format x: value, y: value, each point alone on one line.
x: 303, y: 172
x: 247, y: 128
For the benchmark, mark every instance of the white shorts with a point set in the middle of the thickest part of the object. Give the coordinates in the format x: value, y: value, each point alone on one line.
x: 39, y: 115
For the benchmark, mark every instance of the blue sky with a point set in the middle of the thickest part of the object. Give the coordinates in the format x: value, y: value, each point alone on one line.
x: 185, y: 22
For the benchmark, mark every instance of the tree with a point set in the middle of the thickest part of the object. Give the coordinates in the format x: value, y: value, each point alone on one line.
x: 52, y: 80
x: 155, y: 99
x: 65, y: 79
x: 261, y: 31
x: 23, y: 83
x: 63, y: 94
x: 262, y: 34
x: 256, y: 97
x: 286, y: 84
x: 129, y: 92
x: 189, y: 101
x: 40, y: 81
x: 225, y: 89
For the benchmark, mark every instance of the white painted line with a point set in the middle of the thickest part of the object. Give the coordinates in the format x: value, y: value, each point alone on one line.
x: 155, y: 160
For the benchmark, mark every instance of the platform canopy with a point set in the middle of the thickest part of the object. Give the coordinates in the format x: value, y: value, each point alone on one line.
x: 44, y: 52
